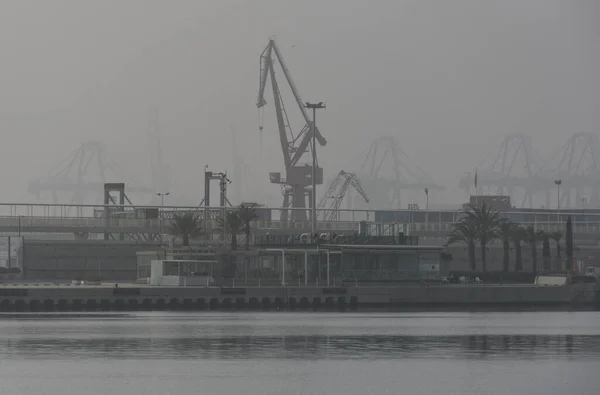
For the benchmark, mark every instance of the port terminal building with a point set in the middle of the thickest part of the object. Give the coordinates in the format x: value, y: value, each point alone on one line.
x: 280, y: 261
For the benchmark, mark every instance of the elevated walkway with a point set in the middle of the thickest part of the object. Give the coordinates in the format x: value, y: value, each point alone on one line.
x: 45, y: 218
x: 23, y: 224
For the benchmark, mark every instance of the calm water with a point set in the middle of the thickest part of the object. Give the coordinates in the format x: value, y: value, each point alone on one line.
x: 285, y: 353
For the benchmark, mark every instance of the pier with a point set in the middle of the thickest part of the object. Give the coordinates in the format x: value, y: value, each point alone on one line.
x: 46, y: 297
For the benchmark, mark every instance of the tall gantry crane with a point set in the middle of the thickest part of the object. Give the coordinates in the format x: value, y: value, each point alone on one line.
x: 402, y: 174
x: 298, y: 177
x: 81, y: 177
x: 530, y: 181
x: 578, y: 168
x: 513, y: 171
x: 335, y: 195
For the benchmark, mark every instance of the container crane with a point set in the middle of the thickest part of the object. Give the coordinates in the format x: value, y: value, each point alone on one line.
x: 298, y: 177
x: 335, y: 195
x: 402, y: 174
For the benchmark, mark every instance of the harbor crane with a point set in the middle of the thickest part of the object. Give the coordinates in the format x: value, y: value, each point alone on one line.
x: 297, y: 182
x: 402, y: 174
x: 335, y: 195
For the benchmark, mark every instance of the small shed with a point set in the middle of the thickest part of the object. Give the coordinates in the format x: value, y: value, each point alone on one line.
x: 180, y: 272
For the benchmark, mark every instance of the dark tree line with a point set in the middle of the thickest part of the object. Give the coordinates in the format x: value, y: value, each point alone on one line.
x: 481, y: 225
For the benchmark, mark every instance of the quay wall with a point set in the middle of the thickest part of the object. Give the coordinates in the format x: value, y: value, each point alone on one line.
x: 30, y: 297
x: 73, y: 259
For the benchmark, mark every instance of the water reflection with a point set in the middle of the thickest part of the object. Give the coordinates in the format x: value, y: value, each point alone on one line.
x: 310, y: 347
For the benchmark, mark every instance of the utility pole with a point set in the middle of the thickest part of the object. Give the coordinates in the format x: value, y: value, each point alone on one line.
x: 314, y: 107
x: 160, y: 215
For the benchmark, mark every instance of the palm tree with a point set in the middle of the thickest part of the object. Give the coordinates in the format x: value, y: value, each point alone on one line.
x: 546, y: 252
x: 487, y: 221
x: 465, y: 231
x: 247, y: 215
x: 532, y: 237
x: 557, y: 236
x: 505, y: 231
x: 233, y: 225
x: 569, y: 245
x: 517, y: 235
x: 186, y: 226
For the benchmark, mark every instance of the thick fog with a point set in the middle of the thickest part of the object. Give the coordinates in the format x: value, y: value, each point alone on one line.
x: 448, y: 79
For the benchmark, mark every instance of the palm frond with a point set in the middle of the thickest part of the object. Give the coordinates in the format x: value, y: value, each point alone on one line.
x: 247, y: 214
x: 185, y: 225
x: 232, y: 223
x: 464, y: 231
x: 556, y: 235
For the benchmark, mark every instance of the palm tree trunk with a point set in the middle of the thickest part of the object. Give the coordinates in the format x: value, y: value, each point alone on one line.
x: 471, y: 252
x: 505, y: 255
x: 534, y: 258
x: 483, y: 245
x: 233, y: 242
x: 247, y: 239
x: 558, y: 260
x: 518, y: 258
x: 185, y: 240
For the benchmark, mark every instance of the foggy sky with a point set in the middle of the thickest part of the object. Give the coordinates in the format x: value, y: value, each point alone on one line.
x: 447, y: 78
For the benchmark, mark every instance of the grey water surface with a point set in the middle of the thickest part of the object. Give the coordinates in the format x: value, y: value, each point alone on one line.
x: 303, y: 353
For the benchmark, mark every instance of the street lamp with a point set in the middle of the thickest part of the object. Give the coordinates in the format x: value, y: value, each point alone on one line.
x: 162, y: 197
x: 426, y: 208
x: 314, y: 107
x: 558, y: 182
x: 160, y: 217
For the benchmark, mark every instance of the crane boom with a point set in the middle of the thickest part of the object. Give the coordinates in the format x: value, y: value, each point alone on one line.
x: 266, y: 70
x: 290, y: 81
x: 279, y: 110
x: 337, y: 191
x: 265, y: 64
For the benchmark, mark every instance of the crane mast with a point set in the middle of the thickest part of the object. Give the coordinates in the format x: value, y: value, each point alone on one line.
x: 298, y: 177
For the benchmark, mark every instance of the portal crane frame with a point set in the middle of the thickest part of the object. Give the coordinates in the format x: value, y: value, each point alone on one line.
x: 298, y: 177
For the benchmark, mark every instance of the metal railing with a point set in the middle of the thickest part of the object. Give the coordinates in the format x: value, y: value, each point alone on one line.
x: 578, y: 227
x: 39, y: 224
x: 26, y: 216
x: 132, y: 225
x: 348, y: 215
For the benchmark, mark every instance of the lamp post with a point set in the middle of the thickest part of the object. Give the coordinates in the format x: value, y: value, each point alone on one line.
x: 426, y: 208
x: 314, y: 107
x: 558, y: 182
x: 206, y: 200
x: 160, y: 217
